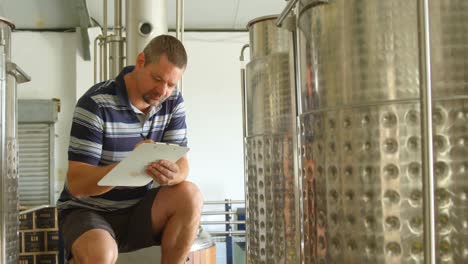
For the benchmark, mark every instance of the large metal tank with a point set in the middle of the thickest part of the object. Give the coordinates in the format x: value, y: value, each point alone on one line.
x: 10, y: 74
x: 360, y: 131
x: 272, y: 226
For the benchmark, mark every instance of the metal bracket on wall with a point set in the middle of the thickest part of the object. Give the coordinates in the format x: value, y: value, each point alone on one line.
x: 84, y: 20
x: 18, y: 73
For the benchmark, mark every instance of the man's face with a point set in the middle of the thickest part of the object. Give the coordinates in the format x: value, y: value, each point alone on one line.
x: 157, y: 80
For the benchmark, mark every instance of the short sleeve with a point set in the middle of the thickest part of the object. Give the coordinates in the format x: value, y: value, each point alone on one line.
x: 86, y: 132
x: 176, y: 130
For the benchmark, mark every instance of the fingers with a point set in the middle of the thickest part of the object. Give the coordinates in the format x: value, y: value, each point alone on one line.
x: 168, y: 166
x: 163, y: 172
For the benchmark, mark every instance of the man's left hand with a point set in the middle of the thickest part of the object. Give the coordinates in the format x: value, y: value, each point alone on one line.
x: 164, y: 172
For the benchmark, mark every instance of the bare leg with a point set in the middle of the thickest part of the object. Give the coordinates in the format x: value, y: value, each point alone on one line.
x: 95, y: 246
x: 176, y: 214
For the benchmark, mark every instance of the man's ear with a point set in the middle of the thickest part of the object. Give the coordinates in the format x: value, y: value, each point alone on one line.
x: 140, y: 60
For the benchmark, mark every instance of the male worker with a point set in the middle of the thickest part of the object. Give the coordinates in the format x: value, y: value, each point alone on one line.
x: 110, y: 119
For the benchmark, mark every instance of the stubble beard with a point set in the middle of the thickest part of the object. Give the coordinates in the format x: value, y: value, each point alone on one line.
x: 154, y: 102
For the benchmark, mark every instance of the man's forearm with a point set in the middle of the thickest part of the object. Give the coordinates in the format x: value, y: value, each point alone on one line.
x: 82, y: 179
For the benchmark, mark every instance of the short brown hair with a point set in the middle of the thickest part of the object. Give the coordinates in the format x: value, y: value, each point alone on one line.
x: 166, y: 45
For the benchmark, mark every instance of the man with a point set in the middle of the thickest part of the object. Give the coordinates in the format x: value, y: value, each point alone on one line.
x: 98, y: 222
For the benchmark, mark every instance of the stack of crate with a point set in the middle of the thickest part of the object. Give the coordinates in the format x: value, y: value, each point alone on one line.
x: 39, y: 237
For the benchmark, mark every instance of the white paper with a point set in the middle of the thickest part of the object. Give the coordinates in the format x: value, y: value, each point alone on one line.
x: 131, y: 170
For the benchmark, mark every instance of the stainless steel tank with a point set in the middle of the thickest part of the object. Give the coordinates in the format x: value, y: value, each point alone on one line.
x: 449, y: 53
x: 272, y: 229
x: 10, y: 74
x: 360, y: 131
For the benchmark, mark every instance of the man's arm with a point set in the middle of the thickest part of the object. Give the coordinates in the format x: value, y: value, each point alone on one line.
x: 82, y: 179
x: 169, y: 173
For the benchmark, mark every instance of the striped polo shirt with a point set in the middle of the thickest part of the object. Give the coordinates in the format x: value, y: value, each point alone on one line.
x: 105, y: 129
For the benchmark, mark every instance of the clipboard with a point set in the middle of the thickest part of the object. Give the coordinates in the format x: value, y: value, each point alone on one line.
x: 131, y: 170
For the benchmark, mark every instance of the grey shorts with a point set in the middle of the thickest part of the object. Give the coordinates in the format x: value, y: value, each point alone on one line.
x: 131, y: 227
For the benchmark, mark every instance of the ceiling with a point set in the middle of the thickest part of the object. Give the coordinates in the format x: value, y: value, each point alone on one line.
x: 205, y: 15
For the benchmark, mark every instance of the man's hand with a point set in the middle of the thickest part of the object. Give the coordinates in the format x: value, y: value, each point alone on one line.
x: 164, y: 172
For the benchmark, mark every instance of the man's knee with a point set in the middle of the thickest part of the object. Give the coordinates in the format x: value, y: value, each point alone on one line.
x: 95, y: 246
x: 189, y: 195
x: 193, y: 193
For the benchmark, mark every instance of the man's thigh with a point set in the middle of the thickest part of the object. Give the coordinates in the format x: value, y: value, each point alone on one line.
x: 76, y: 222
x: 139, y: 231
x: 131, y: 228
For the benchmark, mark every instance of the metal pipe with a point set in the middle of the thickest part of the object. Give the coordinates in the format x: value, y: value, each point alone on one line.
x: 18, y: 73
x: 180, y: 20
x: 102, y: 58
x: 180, y: 31
x: 243, y: 87
x: 426, y: 127
x: 298, y: 162
x: 235, y: 232
x: 104, y: 49
x: 228, y: 201
x: 118, y: 18
x: 178, y: 13
x: 116, y: 57
x: 219, y: 212
x: 285, y: 13
x: 244, y: 135
x: 295, y: 88
x: 222, y: 222
x: 95, y: 58
x: 35, y: 209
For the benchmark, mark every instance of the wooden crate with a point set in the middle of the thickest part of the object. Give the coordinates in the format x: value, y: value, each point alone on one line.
x: 38, y: 237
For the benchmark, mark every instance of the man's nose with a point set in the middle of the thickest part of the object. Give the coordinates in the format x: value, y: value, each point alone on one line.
x: 161, y: 88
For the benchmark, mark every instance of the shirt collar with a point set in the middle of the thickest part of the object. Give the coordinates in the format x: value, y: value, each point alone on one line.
x: 121, y: 88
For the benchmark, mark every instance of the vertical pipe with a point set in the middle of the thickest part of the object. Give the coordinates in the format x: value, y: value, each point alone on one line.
x: 178, y: 12
x: 426, y: 127
x: 118, y: 18
x: 104, y: 44
x: 102, y: 58
x: 243, y: 87
x: 180, y: 29
x: 228, y: 218
x: 95, y: 56
x: 299, y: 130
x: 116, y: 56
x: 244, y: 135
x: 182, y: 21
x: 295, y: 100
x: 4, y: 53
